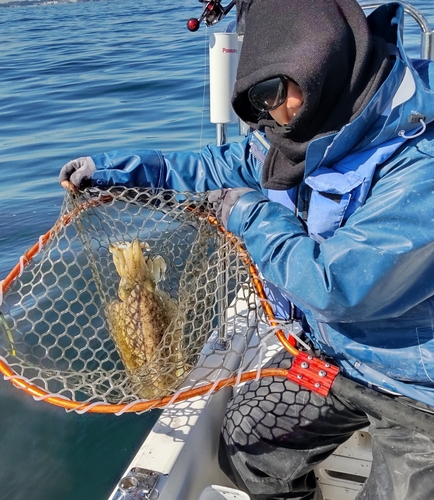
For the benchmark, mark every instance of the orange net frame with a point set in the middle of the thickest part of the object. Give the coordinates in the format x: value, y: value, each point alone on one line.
x: 72, y: 313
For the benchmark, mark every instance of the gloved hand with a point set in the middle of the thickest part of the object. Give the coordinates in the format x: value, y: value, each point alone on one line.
x: 223, y: 201
x: 77, y: 173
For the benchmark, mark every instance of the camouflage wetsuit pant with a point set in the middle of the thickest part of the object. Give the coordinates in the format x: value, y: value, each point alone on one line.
x: 274, y: 433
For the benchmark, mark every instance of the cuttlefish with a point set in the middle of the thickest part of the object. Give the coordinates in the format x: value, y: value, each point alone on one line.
x: 145, y: 323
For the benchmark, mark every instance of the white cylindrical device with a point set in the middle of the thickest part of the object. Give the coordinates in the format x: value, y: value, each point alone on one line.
x: 223, y: 62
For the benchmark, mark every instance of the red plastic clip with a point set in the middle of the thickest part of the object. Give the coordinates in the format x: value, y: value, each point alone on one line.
x: 312, y: 373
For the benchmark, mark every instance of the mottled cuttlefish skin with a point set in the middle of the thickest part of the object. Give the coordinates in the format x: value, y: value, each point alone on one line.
x: 140, y: 319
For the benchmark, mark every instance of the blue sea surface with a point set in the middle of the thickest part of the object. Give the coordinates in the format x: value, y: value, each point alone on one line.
x: 78, y: 79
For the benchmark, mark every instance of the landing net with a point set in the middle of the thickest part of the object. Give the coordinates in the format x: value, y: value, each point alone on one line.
x: 133, y: 296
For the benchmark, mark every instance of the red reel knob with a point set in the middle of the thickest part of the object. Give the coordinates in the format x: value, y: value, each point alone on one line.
x: 193, y: 24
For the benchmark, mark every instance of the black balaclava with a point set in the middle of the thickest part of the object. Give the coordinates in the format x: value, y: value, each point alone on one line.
x: 326, y: 47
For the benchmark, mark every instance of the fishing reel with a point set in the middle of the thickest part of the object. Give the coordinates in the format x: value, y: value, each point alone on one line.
x: 213, y: 12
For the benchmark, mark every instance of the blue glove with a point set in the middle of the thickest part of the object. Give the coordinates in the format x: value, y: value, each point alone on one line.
x: 77, y: 173
x: 223, y: 201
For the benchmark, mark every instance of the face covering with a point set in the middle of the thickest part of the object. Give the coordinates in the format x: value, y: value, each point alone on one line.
x: 326, y: 47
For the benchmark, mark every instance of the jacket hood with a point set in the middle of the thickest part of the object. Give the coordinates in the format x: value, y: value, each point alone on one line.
x: 327, y: 48
x: 404, y: 99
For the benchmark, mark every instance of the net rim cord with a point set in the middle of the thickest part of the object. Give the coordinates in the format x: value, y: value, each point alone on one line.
x: 137, y: 406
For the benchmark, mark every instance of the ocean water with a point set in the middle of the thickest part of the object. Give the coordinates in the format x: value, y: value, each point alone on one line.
x: 77, y: 79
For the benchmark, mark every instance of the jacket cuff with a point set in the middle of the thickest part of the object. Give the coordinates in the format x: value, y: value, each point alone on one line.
x: 243, y: 210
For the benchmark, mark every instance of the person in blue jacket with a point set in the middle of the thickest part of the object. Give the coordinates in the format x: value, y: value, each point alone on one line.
x: 333, y: 195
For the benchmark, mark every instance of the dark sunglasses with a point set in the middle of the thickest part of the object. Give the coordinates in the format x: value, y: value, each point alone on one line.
x: 269, y: 94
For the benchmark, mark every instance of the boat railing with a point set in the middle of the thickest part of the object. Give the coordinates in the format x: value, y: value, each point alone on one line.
x: 427, y: 35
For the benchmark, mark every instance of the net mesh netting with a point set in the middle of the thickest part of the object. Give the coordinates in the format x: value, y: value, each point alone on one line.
x: 132, y: 291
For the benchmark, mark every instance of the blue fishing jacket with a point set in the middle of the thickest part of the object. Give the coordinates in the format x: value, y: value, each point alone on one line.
x: 358, y: 261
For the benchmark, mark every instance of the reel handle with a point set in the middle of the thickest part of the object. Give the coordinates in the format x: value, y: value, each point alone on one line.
x: 213, y: 12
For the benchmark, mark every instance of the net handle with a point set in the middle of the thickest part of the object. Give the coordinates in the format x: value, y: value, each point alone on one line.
x: 139, y: 406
